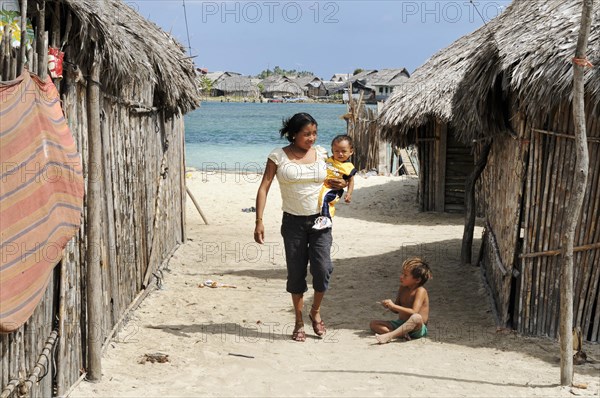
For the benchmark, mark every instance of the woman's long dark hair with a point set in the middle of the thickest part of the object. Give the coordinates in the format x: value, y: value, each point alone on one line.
x: 291, y: 126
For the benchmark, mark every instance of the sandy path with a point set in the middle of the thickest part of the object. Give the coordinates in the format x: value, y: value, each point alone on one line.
x: 200, y: 327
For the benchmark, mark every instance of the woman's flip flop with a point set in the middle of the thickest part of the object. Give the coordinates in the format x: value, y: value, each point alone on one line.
x: 318, y: 327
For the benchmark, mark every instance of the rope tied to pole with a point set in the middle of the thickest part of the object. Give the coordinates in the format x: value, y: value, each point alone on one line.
x: 584, y: 62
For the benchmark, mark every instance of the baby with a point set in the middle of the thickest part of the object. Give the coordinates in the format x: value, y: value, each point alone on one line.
x: 338, y: 166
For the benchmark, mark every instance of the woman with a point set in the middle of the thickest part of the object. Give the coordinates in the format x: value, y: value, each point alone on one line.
x: 300, y: 170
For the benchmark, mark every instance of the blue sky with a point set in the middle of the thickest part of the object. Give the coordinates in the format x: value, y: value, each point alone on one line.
x: 324, y: 37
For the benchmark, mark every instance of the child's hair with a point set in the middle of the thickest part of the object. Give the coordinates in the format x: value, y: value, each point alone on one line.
x: 343, y: 137
x: 291, y: 126
x: 418, y: 268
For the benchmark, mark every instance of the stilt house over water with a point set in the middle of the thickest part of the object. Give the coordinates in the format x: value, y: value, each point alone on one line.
x: 514, y: 93
x: 129, y: 84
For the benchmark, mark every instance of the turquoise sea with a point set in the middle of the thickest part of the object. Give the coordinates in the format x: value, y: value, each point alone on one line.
x: 239, y: 136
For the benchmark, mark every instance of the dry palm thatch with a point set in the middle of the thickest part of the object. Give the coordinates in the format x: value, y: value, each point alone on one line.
x: 240, y: 85
x: 529, y: 59
x: 130, y: 45
x: 428, y: 94
x: 281, y: 85
x: 525, y: 52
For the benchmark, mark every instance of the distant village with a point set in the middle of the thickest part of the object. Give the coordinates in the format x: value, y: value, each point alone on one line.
x: 374, y: 85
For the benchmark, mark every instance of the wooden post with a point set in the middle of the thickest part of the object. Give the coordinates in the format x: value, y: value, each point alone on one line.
x: 93, y: 227
x: 60, y: 368
x: 181, y: 128
x: 22, y: 49
x: 383, y: 160
x: 470, y: 206
x: 42, y: 42
x: 573, y: 205
x: 197, y: 205
x: 440, y: 144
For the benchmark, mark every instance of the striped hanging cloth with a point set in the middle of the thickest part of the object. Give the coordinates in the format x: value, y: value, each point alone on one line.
x: 41, y: 193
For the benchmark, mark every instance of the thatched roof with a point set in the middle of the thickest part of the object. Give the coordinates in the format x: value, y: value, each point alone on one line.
x: 362, y: 75
x: 333, y: 87
x: 429, y: 92
x: 387, y: 77
x: 133, y: 49
x: 399, y: 79
x: 237, y: 84
x: 530, y: 59
x: 215, y: 77
x: 529, y: 46
x: 278, y: 84
x: 304, y: 80
x: 340, y: 77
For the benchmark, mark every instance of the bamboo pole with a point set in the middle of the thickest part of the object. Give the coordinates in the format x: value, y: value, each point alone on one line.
x: 576, y: 200
x: 197, y: 205
x: 587, y: 225
x: 440, y: 149
x: 422, y: 152
x: 61, y: 321
x: 42, y: 42
x: 594, y: 256
x: 535, y: 233
x: 93, y: 227
x: 530, y: 233
x: 158, y: 208
x: 56, y: 25
x: 563, y: 135
x: 41, y: 367
x: 526, y: 237
x: 22, y: 49
x: 432, y: 169
x: 563, y: 117
x: 5, y: 53
x: 182, y: 183
x: 546, y: 228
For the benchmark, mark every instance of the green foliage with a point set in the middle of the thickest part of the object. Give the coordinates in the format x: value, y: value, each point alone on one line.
x: 357, y: 71
x: 261, y: 87
x: 283, y: 72
x: 206, y: 85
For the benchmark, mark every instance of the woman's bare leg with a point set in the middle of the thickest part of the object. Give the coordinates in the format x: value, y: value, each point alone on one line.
x: 315, y: 310
x: 298, y: 301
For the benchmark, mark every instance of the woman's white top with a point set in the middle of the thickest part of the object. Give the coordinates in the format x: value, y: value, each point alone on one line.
x: 300, y: 184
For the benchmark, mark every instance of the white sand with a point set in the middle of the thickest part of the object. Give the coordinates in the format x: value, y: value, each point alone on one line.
x: 198, y: 328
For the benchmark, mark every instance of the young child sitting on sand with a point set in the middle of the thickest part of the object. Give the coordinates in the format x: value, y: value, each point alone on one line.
x: 411, y: 305
x: 338, y: 166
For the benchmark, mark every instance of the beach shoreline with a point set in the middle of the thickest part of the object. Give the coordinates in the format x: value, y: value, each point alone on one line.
x: 307, y: 100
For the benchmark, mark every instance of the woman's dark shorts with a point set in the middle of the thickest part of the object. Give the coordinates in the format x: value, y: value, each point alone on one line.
x: 304, y: 245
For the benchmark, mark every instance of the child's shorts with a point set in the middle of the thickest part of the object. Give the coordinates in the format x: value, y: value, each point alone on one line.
x: 417, y: 334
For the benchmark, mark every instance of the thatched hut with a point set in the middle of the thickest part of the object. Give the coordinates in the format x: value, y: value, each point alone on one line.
x: 146, y: 84
x: 236, y: 86
x: 420, y: 113
x: 385, y: 81
x: 514, y: 90
x: 312, y: 86
x: 280, y: 86
x: 523, y: 103
x: 335, y: 88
